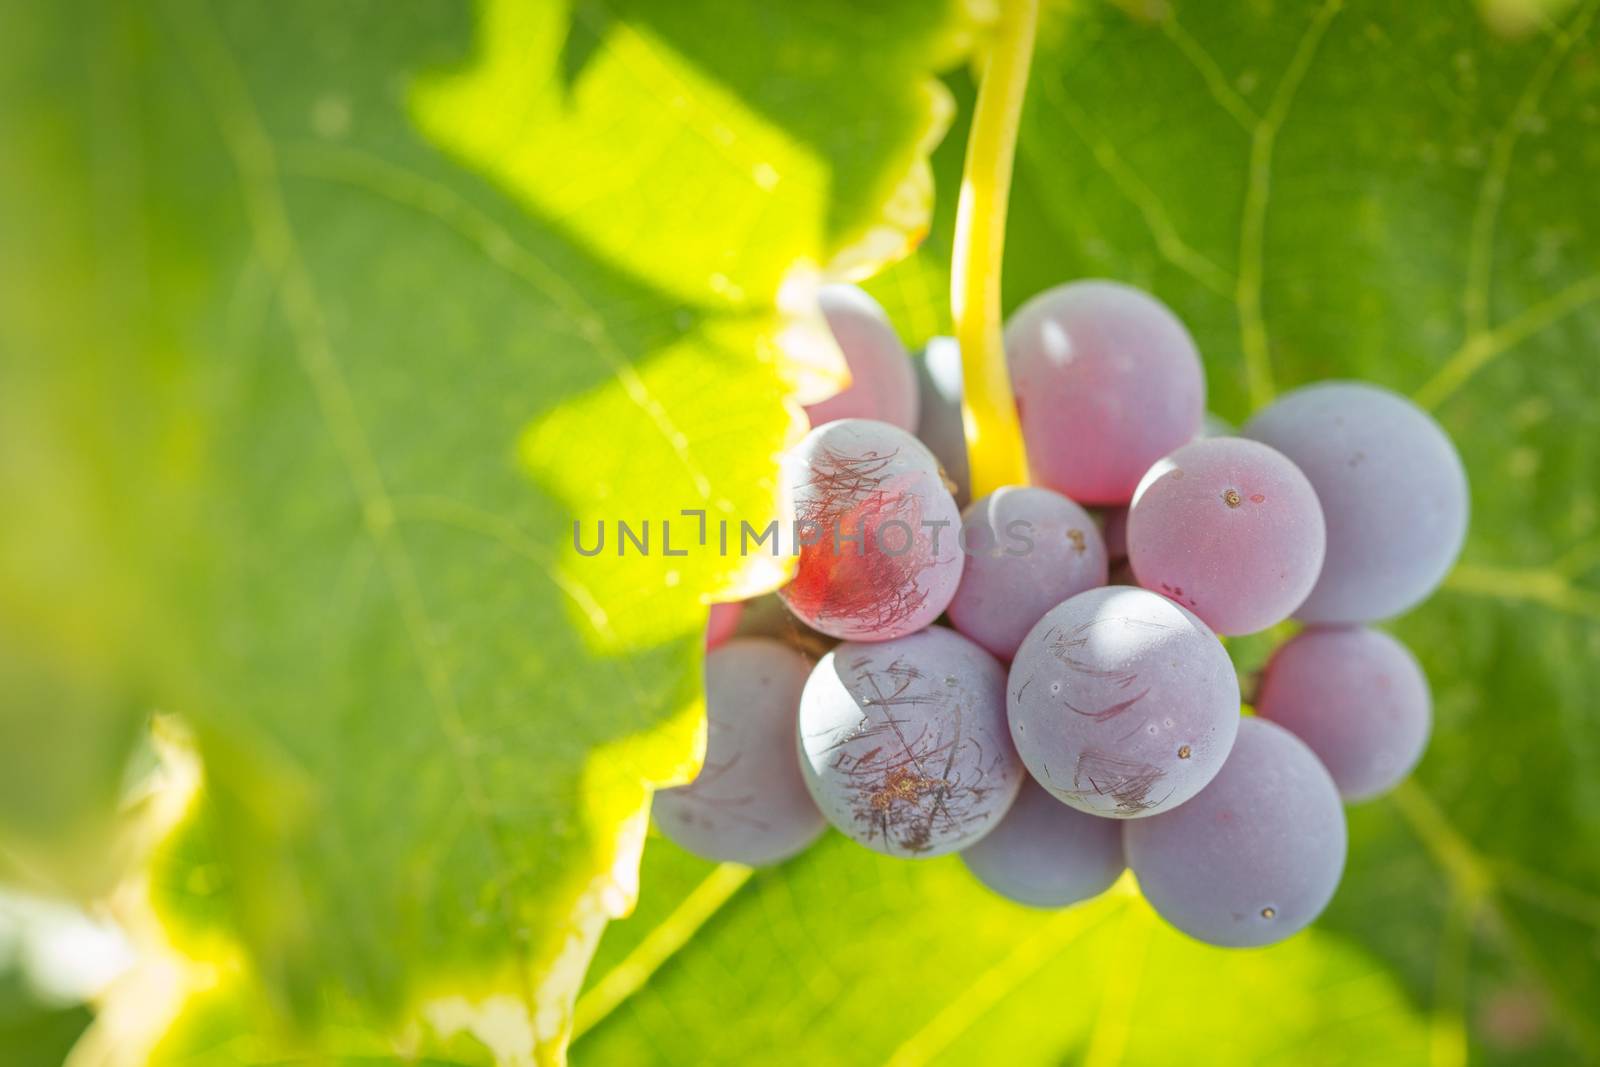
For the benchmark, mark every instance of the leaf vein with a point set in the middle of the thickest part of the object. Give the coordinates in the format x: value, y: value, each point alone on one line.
x: 257, y: 168
x: 636, y: 969
x: 1478, y: 350
x: 1216, y: 82
x: 992, y: 986
x: 1492, y: 189
x: 1169, y: 244
x: 1474, y: 886
x: 407, y: 188
x: 1253, y: 335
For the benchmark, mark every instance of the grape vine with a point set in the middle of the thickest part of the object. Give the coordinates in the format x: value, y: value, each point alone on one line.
x: 994, y: 438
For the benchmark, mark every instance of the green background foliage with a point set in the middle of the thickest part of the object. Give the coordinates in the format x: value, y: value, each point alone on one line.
x: 319, y: 327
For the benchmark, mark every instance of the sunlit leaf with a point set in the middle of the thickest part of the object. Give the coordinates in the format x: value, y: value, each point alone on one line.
x: 320, y: 329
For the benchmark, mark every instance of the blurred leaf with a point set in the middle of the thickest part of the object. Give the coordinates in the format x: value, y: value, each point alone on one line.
x: 320, y: 329
x: 32, y: 1033
x: 1394, y: 192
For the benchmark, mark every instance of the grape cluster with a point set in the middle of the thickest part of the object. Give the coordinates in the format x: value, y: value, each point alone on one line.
x: 1077, y: 711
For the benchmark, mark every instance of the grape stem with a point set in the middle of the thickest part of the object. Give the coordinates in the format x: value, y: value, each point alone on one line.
x: 988, y: 412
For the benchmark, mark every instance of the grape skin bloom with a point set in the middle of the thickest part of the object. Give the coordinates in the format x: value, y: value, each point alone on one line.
x: 1230, y: 529
x: 882, y: 382
x: 904, y: 744
x: 1392, y: 488
x: 1122, y: 703
x: 883, y: 558
x: 749, y: 803
x: 1256, y: 856
x: 1046, y: 854
x: 1357, y: 698
x: 1107, y: 381
x: 1028, y: 549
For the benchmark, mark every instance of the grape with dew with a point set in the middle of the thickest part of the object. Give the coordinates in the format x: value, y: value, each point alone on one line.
x: 1230, y: 529
x: 1107, y: 381
x: 1027, y: 549
x: 1357, y: 697
x: 904, y: 743
x: 1046, y: 854
x: 749, y: 803
x: 1256, y: 855
x: 882, y: 382
x: 1122, y: 703
x: 875, y: 530
x: 1392, y: 488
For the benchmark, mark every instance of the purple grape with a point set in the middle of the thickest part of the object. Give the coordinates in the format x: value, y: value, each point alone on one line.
x: 878, y: 547
x: 1046, y: 854
x: 939, y: 424
x: 1393, y: 492
x: 882, y: 383
x: 1358, y: 698
x: 1122, y: 703
x: 1027, y: 550
x: 749, y: 803
x: 768, y: 616
x: 1229, y: 528
x: 1114, y: 530
x: 904, y: 744
x: 1256, y: 856
x: 1107, y: 382
x: 722, y: 621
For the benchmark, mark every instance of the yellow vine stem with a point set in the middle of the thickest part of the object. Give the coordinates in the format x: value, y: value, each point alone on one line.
x: 989, y: 415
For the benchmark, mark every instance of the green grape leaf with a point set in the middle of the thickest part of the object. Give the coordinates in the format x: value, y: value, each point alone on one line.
x: 34, y: 1033
x: 1401, y: 193
x: 321, y: 329
x: 845, y: 956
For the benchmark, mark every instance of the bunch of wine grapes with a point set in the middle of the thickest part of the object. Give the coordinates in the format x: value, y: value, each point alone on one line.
x: 1045, y: 688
